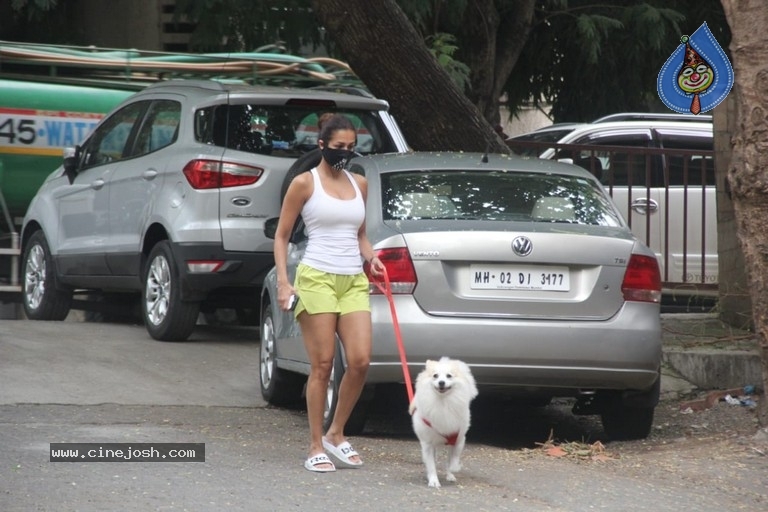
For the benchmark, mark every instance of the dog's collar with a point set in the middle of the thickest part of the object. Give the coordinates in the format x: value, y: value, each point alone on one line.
x: 450, y: 439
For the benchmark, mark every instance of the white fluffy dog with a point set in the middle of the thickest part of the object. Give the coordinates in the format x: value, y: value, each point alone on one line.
x: 440, y: 413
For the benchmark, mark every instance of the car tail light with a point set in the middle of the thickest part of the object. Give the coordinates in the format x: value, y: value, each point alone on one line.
x: 208, y: 174
x: 642, y: 279
x: 402, y: 275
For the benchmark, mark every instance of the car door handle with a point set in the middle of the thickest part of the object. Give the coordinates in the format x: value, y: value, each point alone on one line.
x: 149, y: 175
x: 644, y: 205
x: 97, y: 184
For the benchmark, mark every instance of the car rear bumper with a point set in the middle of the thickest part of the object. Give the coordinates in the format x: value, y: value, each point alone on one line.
x: 623, y: 352
x: 239, y: 269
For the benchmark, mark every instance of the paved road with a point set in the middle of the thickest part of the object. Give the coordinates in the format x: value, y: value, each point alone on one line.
x: 95, y: 363
x: 105, y: 383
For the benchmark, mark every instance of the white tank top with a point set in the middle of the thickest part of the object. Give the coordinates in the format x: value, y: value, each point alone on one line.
x: 332, y: 226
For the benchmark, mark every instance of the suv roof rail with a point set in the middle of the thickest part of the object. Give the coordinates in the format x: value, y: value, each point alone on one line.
x: 133, y: 68
x: 651, y: 116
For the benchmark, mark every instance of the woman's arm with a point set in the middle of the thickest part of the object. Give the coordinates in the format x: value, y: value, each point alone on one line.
x: 297, y: 194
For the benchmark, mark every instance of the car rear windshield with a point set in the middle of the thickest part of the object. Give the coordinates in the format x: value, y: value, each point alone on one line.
x: 283, y: 131
x: 495, y: 196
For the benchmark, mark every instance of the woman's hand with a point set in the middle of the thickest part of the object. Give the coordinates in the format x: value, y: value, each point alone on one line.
x: 376, y: 266
x: 284, y: 294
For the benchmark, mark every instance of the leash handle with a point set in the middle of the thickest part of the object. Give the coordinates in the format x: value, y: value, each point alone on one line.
x: 386, y: 289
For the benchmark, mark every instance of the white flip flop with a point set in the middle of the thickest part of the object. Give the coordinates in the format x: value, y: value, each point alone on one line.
x: 342, y: 454
x: 313, y: 463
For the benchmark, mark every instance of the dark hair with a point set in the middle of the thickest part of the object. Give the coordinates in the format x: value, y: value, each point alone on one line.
x: 323, y: 118
x: 332, y: 125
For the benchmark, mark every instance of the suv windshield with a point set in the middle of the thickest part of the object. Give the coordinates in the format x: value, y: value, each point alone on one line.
x: 495, y: 196
x: 283, y: 130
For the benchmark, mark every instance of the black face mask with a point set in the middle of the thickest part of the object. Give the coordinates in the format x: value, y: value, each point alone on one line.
x: 337, y: 158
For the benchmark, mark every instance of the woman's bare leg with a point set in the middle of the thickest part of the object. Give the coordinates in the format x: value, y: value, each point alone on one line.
x: 355, y: 334
x: 319, y: 333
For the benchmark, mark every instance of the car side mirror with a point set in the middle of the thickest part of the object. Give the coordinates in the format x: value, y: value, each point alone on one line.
x: 71, y: 160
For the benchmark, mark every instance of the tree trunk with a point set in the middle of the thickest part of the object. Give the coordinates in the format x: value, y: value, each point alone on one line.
x: 748, y: 172
x: 432, y: 112
x: 491, y: 42
x: 733, y: 301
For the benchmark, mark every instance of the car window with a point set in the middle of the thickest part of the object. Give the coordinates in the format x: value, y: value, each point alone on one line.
x: 109, y: 140
x: 160, y: 127
x: 495, y: 196
x: 283, y: 130
x: 537, y: 136
x: 544, y: 135
x: 688, y: 169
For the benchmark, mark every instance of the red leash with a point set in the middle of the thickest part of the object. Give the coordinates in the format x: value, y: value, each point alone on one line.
x: 386, y: 289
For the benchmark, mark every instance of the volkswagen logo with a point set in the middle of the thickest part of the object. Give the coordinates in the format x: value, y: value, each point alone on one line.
x: 522, y: 246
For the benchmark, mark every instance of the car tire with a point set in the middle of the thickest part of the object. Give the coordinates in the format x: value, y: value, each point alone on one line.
x: 166, y: 317
x: 41, y: 298
x: 278, y: 386
x: 630, y: 419
x: 356, y: 422
x: 627, y: 423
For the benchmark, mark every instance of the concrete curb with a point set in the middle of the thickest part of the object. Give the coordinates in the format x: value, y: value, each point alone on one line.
x: 709, y: 354
x: 716, y: 369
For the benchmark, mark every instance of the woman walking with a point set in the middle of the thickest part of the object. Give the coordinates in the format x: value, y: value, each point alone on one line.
x: 330, y: 284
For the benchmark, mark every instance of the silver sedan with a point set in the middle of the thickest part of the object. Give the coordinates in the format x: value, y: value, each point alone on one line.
x: 522, y: 268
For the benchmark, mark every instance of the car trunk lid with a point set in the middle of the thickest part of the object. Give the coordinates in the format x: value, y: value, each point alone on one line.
x: 553, y: 272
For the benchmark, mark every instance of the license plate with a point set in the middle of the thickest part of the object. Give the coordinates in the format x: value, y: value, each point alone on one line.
x: 519, y: 277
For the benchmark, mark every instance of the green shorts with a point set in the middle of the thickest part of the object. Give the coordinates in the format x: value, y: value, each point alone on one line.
x: 322, y: 292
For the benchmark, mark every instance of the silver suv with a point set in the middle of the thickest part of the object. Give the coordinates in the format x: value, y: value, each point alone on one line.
x: 169, y: 194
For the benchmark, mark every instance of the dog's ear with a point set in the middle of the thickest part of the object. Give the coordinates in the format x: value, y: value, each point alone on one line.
x: 430, y: 364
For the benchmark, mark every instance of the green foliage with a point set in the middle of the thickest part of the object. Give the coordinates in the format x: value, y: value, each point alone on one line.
x: 433, y: 16
x: 583, y: 57
x: 37, y: 21
x: 35, y: 10
x: 442, y: 46
x: 605, y: 62
x: 593, y: 30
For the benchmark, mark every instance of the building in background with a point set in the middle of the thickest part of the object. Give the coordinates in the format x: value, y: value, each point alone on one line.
x: 142, y: 24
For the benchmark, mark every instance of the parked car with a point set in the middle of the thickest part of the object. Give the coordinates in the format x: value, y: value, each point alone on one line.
x: 660, y: 173
x: 654, y: 116
x: 547, y: 134
x: 523, y: 268
x: 169, y: 194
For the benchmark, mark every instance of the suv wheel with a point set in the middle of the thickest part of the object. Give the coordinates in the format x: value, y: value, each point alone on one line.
x: 167, y: 318
x: 278, y: 386
x: 42, y: 300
